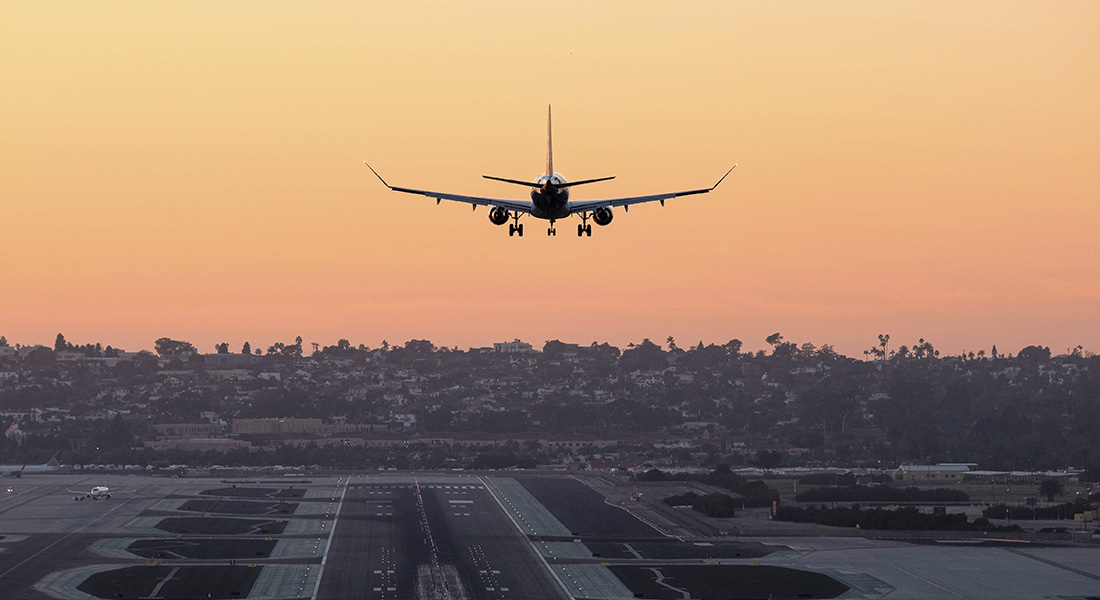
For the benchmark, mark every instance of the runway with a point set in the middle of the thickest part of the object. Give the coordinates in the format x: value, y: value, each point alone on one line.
x: 440, y: 536
x: 448, y: 536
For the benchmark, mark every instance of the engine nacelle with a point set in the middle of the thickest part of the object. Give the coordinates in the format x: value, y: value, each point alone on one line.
x: 603, y: 215
x: 498, y: 215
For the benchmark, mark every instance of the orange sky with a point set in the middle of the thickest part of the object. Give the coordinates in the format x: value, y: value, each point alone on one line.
x: 194, y: 170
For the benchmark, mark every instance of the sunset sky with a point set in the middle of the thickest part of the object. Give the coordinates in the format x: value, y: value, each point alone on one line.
x: 194, y: 170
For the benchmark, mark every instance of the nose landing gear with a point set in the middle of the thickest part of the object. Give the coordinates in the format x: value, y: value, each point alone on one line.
x: 551, y: 230
x: 584, y: 228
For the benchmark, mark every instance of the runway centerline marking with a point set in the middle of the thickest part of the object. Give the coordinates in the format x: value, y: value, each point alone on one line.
x: 331, y: 531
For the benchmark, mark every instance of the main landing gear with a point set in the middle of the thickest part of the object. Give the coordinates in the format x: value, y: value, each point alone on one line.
x: 584, y: 228
x: 515, y: 228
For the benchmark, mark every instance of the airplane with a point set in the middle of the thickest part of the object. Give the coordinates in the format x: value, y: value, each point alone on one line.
x: 97, y: 492
x: 17, y: 471
x: 549, y: 198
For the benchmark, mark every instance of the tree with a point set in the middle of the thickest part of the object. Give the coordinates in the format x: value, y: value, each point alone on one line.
x: 774, y: 339
x: 42, y: 357
x: 1034, y: 354
x: 3, y: 341
x: 222, y: 348
x: 733, y: 347
x: 672, y: 347
x: 60, y: 343
x: 555, y: 347
x: 168, y: 347
x: 246, y: 349
x: 646, y: 356
x: 1050, y: 488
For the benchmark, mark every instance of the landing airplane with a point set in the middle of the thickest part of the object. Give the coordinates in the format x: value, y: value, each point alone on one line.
x: 19, y: 470
x: 549, y: 198
x: 97, y: 492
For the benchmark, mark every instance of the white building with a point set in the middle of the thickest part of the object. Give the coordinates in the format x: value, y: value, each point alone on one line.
x: 512, y: 347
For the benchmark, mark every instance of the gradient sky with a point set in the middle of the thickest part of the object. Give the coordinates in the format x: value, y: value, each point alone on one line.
x: 194, y: 170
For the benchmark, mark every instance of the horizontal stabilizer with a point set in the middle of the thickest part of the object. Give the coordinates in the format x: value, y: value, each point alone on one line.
x: 584, y: 181
x: 515, y: 181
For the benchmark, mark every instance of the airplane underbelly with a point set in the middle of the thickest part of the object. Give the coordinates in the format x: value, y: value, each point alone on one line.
x: 554, y: 207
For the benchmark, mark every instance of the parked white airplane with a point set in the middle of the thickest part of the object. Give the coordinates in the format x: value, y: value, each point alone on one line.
x: 19, y: 470
x: 97, y: 492
x: 549, y: 198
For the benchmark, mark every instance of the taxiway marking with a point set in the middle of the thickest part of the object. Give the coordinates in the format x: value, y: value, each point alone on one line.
x: 67, y: 536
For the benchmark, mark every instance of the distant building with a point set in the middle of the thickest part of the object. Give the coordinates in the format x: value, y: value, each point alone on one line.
x: 941, y: 471
x: 270, y: 426
x: 188, y: 429
x: 25, y: 351
x: 201, y: 444
x: 512, y: 347
x: 754, y: 450
x: 228, y: 360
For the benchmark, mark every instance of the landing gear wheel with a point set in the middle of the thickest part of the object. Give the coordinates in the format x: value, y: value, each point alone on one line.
x: 580, y: 230
x: 519, y: 230
x: 511, y: 230
x: 552, y: 231
x: 588, y: 230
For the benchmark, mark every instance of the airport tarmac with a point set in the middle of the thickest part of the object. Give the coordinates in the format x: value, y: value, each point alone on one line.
x: 412, y: 535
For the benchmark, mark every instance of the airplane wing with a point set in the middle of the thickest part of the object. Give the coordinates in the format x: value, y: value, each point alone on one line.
x: 523, y: 206
x: 582, y: 206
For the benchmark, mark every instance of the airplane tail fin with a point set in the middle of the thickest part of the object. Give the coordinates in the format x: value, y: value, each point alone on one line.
x: 549, y: 145
x: 53, y: 461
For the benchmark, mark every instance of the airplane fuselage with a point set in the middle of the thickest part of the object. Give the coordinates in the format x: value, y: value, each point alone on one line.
x: 550, y: 201
x: 96, y: 493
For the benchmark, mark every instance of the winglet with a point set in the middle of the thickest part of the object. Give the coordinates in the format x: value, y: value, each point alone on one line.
x: 549, y: 146
x: 713, y: 186
x: 377, y: 175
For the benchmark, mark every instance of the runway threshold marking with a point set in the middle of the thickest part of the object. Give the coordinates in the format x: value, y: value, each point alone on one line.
x: 542, y: 558
x: 331, y: 531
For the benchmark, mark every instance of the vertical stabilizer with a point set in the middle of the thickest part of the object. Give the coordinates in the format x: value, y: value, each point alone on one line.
x: 549, y: 146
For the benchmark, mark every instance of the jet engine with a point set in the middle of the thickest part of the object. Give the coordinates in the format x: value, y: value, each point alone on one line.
x: 498, y: 215
x: 603, y: 215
